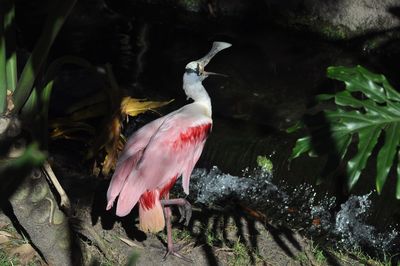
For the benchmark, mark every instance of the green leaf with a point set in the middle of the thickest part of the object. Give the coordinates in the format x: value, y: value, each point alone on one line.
x: 350, y: 121
x: 367, y: 106
x: 359, y: 79
x: 324, y: 97
x: 342, y: 141
x: 303, y: 145
x: 391, y: 93
x: 367, y: 141
x: 295, y: 127
x: 394, y: 108
x: 3, y: 71
x: 345, y: 98
x: 11, y: 45
x: 30, y: 109
x: 386, y: 154
x: 37, y: 106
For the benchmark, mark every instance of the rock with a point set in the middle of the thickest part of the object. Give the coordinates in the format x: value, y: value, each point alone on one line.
x: 338, y: 19
x: 36, y: 209
x: 342, y: 19
x: 9, y: 127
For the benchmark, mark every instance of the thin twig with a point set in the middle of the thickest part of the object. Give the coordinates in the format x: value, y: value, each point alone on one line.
x: 64, y: 200
x: 129, y: 242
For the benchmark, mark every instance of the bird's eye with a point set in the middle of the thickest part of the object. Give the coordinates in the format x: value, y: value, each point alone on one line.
x: 196, y: 71
x: 190, y: 71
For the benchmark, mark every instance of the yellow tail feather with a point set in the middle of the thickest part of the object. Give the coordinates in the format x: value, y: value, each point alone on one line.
x: 151, y: 220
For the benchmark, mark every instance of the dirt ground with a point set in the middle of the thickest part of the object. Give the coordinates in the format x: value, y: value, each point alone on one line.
x: 212, y: 238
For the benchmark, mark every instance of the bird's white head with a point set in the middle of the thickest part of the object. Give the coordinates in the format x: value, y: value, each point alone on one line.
x: 195, y: 73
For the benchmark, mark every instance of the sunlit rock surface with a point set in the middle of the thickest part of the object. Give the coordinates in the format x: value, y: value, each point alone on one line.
x: 341, y: 19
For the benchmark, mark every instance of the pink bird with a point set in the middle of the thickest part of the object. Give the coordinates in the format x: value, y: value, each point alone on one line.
x: 162, y: 151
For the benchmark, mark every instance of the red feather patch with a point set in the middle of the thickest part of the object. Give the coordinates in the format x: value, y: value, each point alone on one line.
x: 193, y: 134
x: 148, y: 199
x: 168, y: 186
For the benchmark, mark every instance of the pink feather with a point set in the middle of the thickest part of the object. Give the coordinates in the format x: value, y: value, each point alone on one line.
x: 158, y: 152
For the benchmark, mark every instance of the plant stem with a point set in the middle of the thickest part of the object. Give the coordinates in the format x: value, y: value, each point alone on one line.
x: 3, y: 78
x: 45, y: 102
x: 11, y: 46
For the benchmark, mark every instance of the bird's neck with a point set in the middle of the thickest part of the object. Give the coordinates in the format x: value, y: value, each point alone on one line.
x: 196, y: 91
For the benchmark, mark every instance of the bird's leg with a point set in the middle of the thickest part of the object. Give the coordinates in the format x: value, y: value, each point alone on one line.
x: 185, y: 208
x: 167, y: 210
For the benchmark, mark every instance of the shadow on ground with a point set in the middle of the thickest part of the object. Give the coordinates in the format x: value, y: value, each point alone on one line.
x: 214, y: 236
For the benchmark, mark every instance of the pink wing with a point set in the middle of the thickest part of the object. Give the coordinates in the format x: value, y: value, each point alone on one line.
x: 173, y: 150
x: 129, y: 157
x: 191, y: 162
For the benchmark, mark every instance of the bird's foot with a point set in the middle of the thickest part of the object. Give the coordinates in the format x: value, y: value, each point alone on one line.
x: 171, y: 251
x: 185, y: 208
x: 186, y: 213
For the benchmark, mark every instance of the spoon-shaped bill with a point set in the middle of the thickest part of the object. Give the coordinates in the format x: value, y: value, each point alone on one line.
x: 217, y: 47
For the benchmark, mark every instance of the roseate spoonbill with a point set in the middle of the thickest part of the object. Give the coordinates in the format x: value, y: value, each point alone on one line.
x: 162, y: 151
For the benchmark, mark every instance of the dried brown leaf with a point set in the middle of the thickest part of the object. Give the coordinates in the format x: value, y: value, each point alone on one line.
x: 3, y: 224
x: 25, y: 253
x: 111, y: 146
x: 96, y: 170
x: 4, y: 233
x: 111, y: 139
x: 133, y: 107
x: 4, y: 239
x: 10, y: 103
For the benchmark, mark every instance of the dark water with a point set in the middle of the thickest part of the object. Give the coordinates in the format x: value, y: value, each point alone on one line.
x: 273, y: 76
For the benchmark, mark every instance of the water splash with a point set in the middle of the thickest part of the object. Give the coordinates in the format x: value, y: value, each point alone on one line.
x: 299, y: 208
x: 354, y: 232
x: 214, y: 186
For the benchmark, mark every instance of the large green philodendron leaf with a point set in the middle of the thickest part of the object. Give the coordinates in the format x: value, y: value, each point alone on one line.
x: 368, y: 108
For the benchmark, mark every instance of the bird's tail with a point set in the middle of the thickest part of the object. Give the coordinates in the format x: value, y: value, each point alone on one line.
x: 151, y: 215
